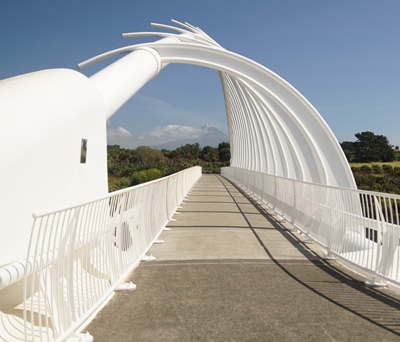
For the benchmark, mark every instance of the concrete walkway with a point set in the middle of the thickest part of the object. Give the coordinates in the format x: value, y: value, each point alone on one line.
x: 228, y: 271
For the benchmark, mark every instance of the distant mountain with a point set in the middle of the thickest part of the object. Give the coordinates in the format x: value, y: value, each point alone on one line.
x: 208, y: 136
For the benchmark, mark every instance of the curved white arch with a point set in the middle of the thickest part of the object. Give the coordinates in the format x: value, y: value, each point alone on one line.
x: 272, y: 127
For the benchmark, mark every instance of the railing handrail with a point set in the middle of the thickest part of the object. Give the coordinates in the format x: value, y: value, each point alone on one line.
x: 368, y: 192
x: 360, y: 227
x: 79, y: 254
x: 95, y: 199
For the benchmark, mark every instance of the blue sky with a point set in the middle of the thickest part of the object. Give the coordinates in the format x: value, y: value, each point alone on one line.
x: 342, y: 55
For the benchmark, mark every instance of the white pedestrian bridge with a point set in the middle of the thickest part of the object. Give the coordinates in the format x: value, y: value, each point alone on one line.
x: 66, y: 244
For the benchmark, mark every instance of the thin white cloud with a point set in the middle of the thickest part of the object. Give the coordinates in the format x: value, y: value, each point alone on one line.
x: 338, y: 108
x: 164, y: 112
x: 119, y: 132
x: 172, y: 132
x: 151, y: 101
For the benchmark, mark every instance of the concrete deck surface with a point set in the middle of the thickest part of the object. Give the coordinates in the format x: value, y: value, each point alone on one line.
x: 228, y: 271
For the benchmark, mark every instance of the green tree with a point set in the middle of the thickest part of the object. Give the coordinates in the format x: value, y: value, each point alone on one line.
x: 396, y: 153
x: 189, y: 151
x: 143, y: 176
x: 223, y: 145
x: 370, y: 147
x: 209, y: 154
x: 349, y: 149
x: 146, y: 157
x: 224, y: 152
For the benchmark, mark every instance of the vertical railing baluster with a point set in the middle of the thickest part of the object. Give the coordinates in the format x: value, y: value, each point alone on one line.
x: 78, y: 255
x: 359, y: 226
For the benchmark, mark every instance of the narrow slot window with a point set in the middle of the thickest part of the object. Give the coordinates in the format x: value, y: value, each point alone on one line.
x: 83, y: 151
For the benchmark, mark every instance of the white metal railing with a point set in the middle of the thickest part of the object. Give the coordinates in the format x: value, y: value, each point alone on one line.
x: 360, y: 227
x: 79, y: 255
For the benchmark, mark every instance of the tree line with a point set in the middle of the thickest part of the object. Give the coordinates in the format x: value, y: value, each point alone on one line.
x: 370, y: 148
x: 128, y: 167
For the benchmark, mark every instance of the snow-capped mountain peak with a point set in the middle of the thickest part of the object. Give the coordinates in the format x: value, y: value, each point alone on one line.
x: 209, y: 136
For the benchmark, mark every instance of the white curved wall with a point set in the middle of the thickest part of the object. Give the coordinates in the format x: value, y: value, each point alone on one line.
x: 46, y: 114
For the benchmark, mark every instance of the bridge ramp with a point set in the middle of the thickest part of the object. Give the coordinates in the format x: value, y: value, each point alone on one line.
x: 230, y: 271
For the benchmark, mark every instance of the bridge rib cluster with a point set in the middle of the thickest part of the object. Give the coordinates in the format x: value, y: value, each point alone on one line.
x: 273, y: 129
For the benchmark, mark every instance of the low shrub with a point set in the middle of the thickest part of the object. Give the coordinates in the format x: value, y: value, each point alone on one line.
x: 366, y: 169
x: 376, y: 169
x: 387, y: 168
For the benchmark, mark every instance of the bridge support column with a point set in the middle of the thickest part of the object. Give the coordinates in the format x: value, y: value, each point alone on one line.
x: 122, y: 79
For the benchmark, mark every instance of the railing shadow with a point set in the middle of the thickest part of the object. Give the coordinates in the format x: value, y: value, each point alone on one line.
x: 332, y: 281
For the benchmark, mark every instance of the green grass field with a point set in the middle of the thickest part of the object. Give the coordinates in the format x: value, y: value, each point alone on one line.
x: 394, y: 163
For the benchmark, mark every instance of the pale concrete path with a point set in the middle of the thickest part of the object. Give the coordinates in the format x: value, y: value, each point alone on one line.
x: 229, y: 272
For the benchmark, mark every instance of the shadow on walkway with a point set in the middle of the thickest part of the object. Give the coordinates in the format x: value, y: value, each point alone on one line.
x: 335, y: 283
